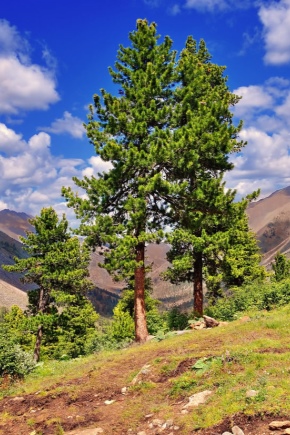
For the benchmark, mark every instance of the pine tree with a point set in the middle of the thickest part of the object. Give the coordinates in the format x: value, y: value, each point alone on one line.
x: 57, y: 264
x: 281, y: 267
x: 124, y: 207
x: 204, y: 136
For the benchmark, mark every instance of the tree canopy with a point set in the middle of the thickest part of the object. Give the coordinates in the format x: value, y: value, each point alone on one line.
x: 57, y: 265
x: 168, y: 135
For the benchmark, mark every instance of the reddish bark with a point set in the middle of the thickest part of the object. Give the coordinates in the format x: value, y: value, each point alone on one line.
x: 42, y: 305
x: 141, y: 332
x: 197, y: 286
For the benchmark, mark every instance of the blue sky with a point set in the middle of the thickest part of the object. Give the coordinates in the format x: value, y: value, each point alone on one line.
x: 54, y: 55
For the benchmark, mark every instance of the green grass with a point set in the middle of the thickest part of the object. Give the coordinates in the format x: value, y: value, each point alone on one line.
x: 233, y: 359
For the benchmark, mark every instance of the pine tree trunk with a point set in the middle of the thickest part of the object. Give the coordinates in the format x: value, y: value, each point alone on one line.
x: 141, y: 332
x: 36, y: 353
x: 41, y: 306
x: 197, y: 286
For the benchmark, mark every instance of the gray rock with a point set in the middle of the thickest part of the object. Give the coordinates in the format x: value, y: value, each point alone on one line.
x: 275, y: 425
x: 198, y: 399
x: 252, y: 393
x: 237, y: 431
x: 210, y: 322
x: 157, y: 422
x: 17, y: 399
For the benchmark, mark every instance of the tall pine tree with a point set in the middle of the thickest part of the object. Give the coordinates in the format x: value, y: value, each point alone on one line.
x: 204, y: 136
x: 124, y: 208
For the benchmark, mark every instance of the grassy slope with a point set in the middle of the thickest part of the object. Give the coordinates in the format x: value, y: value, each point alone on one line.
x: 249, y: 354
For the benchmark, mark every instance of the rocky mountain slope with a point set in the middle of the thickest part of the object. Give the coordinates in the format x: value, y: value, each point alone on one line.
x: 12, y: 225
x: 107, y: 291
x: 269, y: 218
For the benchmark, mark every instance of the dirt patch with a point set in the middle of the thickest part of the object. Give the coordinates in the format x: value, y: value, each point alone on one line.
x: 251, y: 425
x: 182, y: 367
x: 273, y: 350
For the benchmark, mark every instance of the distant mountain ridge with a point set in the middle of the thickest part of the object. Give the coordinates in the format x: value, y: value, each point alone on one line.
x: 107, y: 292
x: 14, y: 224
x: 269, y: 218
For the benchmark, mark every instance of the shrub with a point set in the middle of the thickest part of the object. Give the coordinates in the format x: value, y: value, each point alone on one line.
x: 176, y: 319
x: 14, y: 362
x: 258, y: 296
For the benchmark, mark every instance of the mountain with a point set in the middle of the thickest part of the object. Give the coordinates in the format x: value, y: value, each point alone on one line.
x: 106, y: 293
x: 269, y: 218
x: 14, y: 224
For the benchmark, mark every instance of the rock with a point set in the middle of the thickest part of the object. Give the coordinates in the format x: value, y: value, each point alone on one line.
x: 252, y: 393
x: 109, y: 402
x: 142, y: 432
x: 198, y: 399
x: 210, y: 322
x: 237, y: 431
x: 276, y: 425
x: 144, y: 371
x: 157, y: 422
x: 227, y: 433
x: 184, y: 411
x: 124, y: 390
x: 17, y: 399
x: 169, y: 423
x: 148, y: 416
x: 201, y: 326
x: 94, y: 431
x: 285, y: 432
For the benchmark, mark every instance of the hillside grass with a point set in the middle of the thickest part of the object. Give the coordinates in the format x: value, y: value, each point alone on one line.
x: 248, y: 354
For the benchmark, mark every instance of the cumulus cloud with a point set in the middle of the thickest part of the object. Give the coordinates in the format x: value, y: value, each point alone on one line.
x: 253, y: 97
x: 264, y: 162
x: 68, y: 124
x: 23, y: 84
x: 31, y: 177
x: 10, y: 142
x: 97, y: 165
x: 275, y: 17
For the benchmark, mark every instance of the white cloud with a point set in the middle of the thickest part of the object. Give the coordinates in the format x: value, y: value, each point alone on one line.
x: 31, y: 177
x: 216, y: 5
x: 97, y: 165
x: 10, y: 142
x: 174, y: 10
x: 23, y: 85
x: 253, y: 97
x: 68, y: 124
x: 275, y: 17
x: 265, y: 161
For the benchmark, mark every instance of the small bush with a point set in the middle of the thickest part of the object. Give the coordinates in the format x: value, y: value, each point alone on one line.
x: 14, y: 361
x: 176, y: 319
